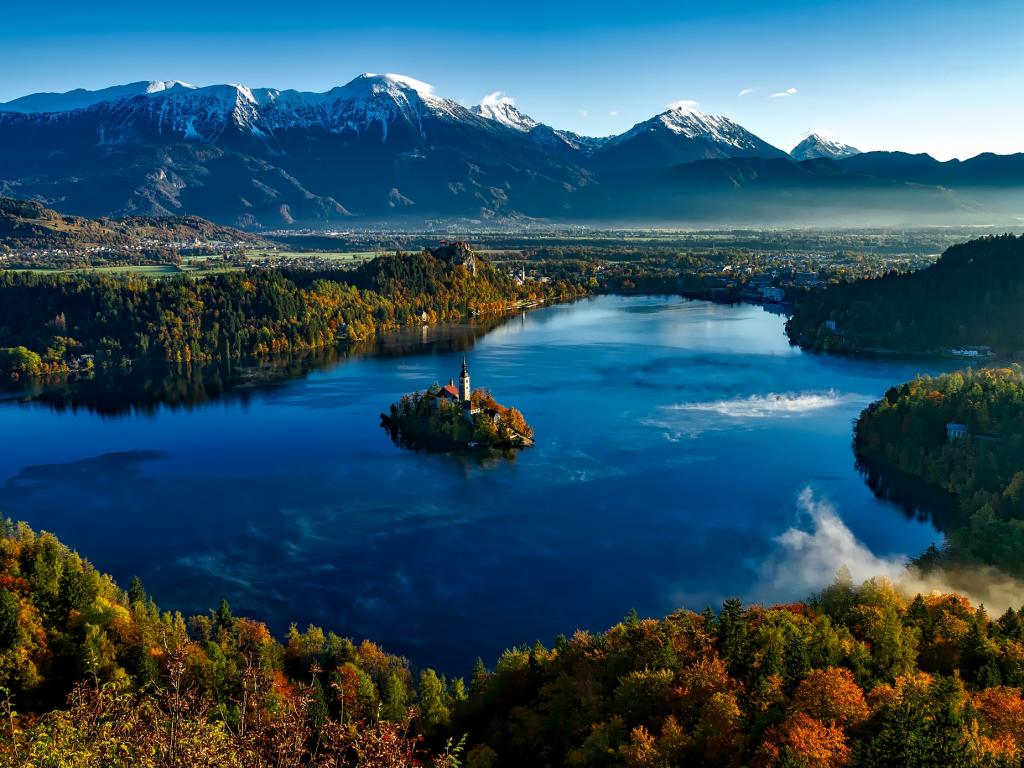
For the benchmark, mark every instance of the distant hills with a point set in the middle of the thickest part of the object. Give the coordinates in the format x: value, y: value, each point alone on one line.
x: 387, y: 148
x: 28, y: 225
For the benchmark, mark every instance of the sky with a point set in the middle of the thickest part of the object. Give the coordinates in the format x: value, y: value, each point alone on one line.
x: 941, y: 77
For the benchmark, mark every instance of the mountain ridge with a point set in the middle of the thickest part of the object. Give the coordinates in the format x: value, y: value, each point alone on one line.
x: 387, y: 146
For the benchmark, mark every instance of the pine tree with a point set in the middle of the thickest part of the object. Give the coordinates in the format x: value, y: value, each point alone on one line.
x: 480, y: 676
x: 136, y: 592
x: 394, y: 705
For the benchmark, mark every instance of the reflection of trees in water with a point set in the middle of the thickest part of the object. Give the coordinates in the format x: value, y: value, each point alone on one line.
x: 485, y: 458
x: 918, y: 499
x: 149, y: 385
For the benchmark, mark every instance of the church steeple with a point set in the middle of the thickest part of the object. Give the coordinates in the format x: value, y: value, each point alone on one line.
x: 464, y: 390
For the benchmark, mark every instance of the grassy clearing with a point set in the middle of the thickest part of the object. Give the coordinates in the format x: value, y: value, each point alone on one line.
x: 150, y: 270
x: 353, y: 257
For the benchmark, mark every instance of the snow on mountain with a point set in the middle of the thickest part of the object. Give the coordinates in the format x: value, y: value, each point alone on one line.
x: 503, y: 109
x: 684, y: 120
x: 194, y: 114
x: 383, y: 99
x: 83, y: 99
x: 816, y: 146
x: 381, y: 103
x: 385, y: 143
x: 204, y: 113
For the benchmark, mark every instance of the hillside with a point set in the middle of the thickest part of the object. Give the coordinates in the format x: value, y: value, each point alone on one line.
x: 48, y: 322
x: 972, y: 296
x: 95, y: 676
x: 29, y: 225
x: 983, y: 470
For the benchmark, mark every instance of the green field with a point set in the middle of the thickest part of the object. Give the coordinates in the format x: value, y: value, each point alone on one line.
x: 206, y: 265
x: 149, y: 270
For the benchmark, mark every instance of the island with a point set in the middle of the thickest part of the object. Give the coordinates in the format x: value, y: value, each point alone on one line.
x: 450, y: 417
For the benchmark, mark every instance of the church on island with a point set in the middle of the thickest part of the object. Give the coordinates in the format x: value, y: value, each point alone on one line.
x: 461, y: 396
x: 453, y: 416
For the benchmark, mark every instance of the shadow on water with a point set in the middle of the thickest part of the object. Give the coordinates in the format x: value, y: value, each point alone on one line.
x: 918, y: 499
x: 147, y: 386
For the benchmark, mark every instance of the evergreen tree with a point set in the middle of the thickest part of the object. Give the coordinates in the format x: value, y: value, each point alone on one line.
x: 394, y: 701
x: 432, y: 700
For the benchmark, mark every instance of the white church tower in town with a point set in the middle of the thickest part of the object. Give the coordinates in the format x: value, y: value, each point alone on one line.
x: 464, y: 390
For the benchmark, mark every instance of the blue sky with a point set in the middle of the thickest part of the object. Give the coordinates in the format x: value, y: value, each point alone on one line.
x: 939, y: 77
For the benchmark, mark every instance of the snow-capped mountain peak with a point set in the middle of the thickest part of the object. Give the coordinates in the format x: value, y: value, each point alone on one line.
x: 817, y: 146
x: 683, y: 119
x: 686, y: 120
x: 501, y: 108
x: 400, y: 89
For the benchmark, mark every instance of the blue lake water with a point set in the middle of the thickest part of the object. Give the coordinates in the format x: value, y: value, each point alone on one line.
x: 677, y: 445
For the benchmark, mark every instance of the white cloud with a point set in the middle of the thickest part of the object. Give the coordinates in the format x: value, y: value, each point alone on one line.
x: 746, y: 91
x: 496, y: 98
x: 686, y: 421
x: 584, y: 113
x: 807, y: 560
x: 613, y: 113
x: 808, y: 556
x: 783, y: 94
x: 683, y: 104
x: 765, y: 406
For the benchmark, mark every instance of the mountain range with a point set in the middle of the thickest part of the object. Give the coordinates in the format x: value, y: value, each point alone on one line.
x: 387, y: 148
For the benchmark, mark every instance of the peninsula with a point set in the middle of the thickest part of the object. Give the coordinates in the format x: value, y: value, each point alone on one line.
x: 452, y: 417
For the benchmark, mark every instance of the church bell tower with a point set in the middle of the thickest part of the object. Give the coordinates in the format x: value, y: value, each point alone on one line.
x: 464, y: 390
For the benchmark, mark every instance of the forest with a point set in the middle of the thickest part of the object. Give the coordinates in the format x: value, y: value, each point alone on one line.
x: 92, y: 675
x: 971, y: 297
x: 49, y: 322
x: 984, y: 470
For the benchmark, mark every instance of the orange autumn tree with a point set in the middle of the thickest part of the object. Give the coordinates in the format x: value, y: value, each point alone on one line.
x: 832, y: 696
x: 1002, y: 714
x: 802, y: 740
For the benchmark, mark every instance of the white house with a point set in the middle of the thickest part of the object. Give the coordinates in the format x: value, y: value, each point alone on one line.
x: 955, y: 430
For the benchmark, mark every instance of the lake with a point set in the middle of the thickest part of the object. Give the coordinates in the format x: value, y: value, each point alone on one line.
x: 685, y: 453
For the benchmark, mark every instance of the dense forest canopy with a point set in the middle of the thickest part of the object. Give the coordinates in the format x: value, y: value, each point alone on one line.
x: 907, y: 430
x: 972, y: 296
x: 95, y: 676
x: 46, y: 321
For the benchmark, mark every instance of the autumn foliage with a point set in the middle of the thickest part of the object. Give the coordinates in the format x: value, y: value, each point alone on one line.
x: 98, y: 677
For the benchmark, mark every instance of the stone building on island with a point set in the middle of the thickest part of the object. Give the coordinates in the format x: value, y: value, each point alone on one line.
x: 461, y: 395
